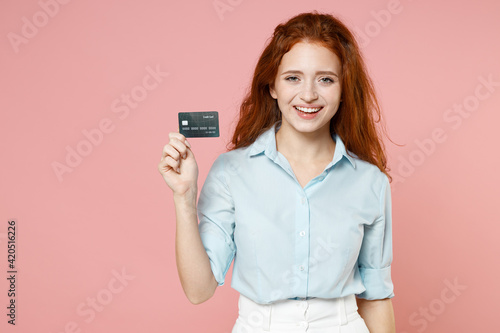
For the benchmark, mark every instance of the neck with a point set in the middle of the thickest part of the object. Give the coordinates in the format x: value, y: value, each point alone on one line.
x: 303, y: 147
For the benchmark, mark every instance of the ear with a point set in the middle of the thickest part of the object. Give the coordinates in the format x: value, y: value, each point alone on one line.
x: 272, y: 91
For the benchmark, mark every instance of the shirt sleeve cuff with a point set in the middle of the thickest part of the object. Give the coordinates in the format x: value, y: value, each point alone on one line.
x: 378, y: 283
x: 220, y: 252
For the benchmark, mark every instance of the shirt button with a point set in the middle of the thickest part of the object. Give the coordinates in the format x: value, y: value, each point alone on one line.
x: 303, y: 200
x: 302, y: 233
x: 301, y: 267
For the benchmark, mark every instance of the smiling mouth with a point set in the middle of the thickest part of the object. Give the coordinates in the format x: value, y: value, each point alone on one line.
x: 307, y: 110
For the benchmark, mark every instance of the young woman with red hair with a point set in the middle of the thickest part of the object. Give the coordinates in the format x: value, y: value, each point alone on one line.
x: 301, y: 201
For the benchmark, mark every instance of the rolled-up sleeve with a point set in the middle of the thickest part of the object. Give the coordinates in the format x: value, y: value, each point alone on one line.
x: 216, y: 215
x: 375, y: 256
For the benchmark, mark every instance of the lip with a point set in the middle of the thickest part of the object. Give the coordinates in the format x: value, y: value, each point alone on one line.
x: 309, y: 106
x: 308, y: 116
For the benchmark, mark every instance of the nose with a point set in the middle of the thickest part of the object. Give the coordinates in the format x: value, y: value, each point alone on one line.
x: 309, y: 92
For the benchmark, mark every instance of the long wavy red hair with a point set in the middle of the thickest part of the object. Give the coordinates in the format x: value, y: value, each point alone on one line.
x: 359, y: 111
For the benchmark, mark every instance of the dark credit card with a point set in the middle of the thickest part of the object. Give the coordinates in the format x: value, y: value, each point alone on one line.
x: 199, y: 124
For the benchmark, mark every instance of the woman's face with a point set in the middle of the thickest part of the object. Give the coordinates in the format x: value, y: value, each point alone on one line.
x: 307, y: 87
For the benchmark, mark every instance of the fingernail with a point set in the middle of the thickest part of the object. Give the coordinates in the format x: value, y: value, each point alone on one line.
x: 187, y: 143
x: 178, y: 170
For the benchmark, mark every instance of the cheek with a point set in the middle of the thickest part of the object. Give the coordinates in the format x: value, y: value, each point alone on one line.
x: 286, y: 96
x: 334, y: 96
x: 283, y: 105
x: 290, y: 93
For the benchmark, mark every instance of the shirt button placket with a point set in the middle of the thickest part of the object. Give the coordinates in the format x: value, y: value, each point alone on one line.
x: 301, y: 241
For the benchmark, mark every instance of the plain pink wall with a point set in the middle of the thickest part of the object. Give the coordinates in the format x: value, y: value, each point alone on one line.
x: 64, y: 73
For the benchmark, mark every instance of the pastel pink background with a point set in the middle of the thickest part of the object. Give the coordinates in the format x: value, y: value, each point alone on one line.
x: 114, y: 211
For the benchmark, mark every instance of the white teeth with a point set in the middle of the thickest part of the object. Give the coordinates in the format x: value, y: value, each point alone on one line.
x: 308, y: 110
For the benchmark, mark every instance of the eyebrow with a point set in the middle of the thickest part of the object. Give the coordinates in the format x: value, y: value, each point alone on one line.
x: 320, y: 72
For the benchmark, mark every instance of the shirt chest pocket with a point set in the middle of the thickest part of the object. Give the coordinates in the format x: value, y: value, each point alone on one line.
x: 340, y: 229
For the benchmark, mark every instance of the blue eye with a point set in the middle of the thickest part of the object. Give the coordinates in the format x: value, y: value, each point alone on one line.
x: 292, y: 78
x: 328, y: 80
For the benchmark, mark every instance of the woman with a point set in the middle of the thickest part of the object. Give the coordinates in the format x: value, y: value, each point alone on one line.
x: 301, y: 201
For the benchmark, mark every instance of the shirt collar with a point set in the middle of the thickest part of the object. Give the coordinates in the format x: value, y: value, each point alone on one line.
x: 266, y: 143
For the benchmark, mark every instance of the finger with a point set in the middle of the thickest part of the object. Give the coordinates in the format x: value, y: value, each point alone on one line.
x: 169, y: 150
x: 173, y: 164
x: 179, y: 146
x: 180, y: 137
x: 163, y: 167
x: 176, y: 135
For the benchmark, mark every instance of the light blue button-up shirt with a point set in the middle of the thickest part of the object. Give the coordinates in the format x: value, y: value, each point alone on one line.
x: 330, y: 239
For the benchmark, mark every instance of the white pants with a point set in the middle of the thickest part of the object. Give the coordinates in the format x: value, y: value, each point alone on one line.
x: 317, y: 315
